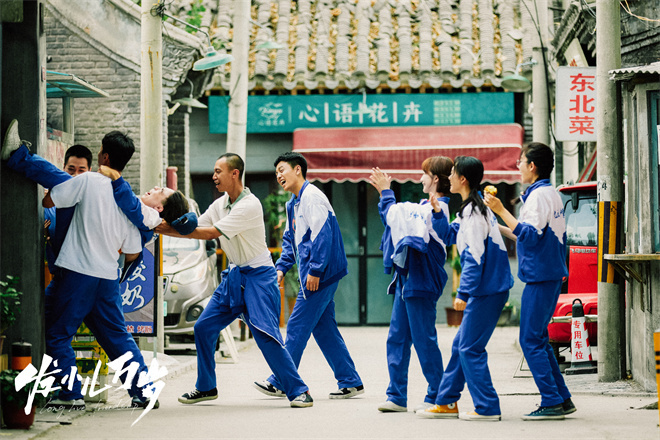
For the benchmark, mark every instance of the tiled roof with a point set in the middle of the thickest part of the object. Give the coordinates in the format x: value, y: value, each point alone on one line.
x: 380, y: 43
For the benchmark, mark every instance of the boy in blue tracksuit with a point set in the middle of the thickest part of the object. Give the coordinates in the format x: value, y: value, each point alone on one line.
x: 540, y: 232
x: 313, y: 241
x: 417, y: 255
x: 483, y: 291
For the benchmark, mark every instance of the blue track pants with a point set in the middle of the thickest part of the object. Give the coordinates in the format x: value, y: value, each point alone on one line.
x: 315, y: 315
x: 537, y: 307
x: 412, y: 323
x: 261, y: 299
x: 469, y: 360
x: 72, y: 298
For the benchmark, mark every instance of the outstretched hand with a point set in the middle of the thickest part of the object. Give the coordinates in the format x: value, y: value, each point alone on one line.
x: 380, y: 180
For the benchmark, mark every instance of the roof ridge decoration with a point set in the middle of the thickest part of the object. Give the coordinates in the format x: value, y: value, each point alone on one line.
x: 351, y: 44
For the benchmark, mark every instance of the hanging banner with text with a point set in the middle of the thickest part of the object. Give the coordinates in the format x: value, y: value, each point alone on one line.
x: 283, y: 114
x: 138, y: 293
x: 575, y: 114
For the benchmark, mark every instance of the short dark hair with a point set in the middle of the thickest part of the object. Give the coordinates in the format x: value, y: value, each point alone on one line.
x: 294, y: 159
x: 542, y: 156
x: 80, y: 151
x: 119, y: 148
x: 174, y: 207
x: 235, y: 162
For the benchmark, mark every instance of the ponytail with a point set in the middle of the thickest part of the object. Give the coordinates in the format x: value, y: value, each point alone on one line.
x: 473, y: 170
x: 477, y: 203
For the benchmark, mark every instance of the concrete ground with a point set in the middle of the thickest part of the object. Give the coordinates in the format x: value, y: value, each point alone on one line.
x: 605, y: 410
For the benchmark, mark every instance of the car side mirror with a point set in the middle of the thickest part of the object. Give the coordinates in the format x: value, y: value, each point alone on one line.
x: 575, y: 200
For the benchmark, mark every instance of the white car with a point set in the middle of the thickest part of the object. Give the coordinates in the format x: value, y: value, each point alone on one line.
x: 190, y: 278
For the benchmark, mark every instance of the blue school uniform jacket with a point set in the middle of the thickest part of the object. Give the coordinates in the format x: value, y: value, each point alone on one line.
x: 485, y: 266
x: 312, y: 239
x: 541, y: 234
x: 412, y: 247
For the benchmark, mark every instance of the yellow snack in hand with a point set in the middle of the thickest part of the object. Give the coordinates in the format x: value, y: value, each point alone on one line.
x: 490, y: 189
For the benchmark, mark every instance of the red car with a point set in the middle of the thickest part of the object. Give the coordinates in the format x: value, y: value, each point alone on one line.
x: 581, y: 210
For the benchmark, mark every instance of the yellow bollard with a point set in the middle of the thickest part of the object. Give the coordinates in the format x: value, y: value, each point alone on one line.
x: 656, y: 346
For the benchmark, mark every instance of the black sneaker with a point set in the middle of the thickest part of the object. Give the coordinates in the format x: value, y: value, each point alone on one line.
x: 268, y: 389
x: 347, y: 393
x: 568, y: 406
x: 198, y: 396
x: 136, y: 402
x: 303, y: 401
x: 546, y: 413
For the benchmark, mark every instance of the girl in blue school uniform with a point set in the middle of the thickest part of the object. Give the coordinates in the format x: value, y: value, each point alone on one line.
x: 483, y: 291
x: 417, y: 255
x: 540, y: 232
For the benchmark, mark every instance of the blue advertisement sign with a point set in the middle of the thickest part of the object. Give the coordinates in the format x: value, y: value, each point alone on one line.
x: 283, y: 114
x: 138, y: 294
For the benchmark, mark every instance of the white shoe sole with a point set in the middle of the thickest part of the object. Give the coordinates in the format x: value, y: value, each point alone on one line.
x: 346, y: 396
x: 429, y: 415
x: 391, y: 407
x: 9, y: 144
x: 480, y: 418
x: 200, y: 399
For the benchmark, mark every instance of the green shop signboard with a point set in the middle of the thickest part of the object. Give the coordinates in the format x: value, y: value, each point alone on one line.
x: 283, y: 114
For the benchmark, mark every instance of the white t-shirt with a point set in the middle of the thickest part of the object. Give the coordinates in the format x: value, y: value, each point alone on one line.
x: 151, y: 217
x: 243, y: 234
x: 98, y: 230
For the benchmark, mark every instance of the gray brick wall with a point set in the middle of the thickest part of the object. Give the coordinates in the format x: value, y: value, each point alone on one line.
x: 94, y: 117
x: 72, y: 53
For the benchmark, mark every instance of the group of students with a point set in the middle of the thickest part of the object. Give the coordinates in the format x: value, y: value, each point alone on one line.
x: 414, y: 248
x: 414, y: 245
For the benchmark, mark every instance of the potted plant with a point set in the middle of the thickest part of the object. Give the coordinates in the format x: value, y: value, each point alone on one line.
x: 14, y: 402
x: 454, y: 317
x: 10, y: 305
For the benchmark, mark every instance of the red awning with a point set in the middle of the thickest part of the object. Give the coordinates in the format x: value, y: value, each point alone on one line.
x: 349, y: 154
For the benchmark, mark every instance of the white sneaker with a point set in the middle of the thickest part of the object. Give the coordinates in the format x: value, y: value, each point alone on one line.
x: 423, y: 406
x: 12, y: 140
x: 474, y: 416
x: 389, y: 406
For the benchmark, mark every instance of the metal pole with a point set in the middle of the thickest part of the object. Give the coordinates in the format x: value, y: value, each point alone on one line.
x: 151, y: 121
x: 541, y: 115
x: 611, y: 307
x: 237, y: 124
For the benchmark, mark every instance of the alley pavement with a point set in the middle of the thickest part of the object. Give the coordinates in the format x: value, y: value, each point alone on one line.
x: 616, y: 410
